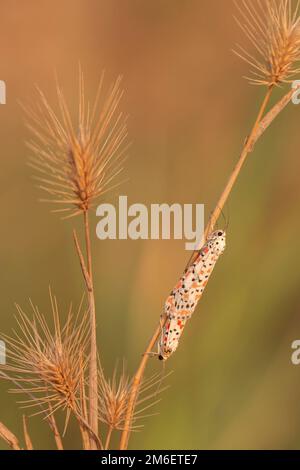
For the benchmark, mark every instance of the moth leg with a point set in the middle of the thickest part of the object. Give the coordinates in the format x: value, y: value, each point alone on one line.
x: 151, y: 354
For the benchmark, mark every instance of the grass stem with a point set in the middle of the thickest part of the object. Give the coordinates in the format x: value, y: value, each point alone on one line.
x: 108, y: 437
x: 93, y: 374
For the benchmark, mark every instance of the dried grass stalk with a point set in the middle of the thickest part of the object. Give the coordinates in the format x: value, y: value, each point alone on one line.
x: 27, y: 437
x: 57, y: 436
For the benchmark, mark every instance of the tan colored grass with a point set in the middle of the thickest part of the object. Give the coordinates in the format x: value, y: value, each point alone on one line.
x: 77, y: 160
x: 47, y: 362
x: 277, y: 42
x: 9, y: 437
x: 114, y: 396
x: 27, y: 438
x: 273, y: 30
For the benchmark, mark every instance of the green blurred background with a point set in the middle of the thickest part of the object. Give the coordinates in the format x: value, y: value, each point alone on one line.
x: 233, y: 385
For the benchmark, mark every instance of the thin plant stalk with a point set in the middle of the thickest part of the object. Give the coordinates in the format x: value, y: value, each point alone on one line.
x: 136, y: 383
x: 259, y: 127
x: 56, y: 433
x: 86, y: 441
x: 274, y: 112
x: 93, y: 373
x: 247, y: 148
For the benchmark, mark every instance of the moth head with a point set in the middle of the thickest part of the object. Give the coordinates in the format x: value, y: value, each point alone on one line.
x: 218, y: 238
x: 164, y: 354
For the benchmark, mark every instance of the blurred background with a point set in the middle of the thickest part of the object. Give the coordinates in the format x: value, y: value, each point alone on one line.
x: 233, y: 385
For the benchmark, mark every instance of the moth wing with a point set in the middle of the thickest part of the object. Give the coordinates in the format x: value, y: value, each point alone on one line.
x: 172, y: 332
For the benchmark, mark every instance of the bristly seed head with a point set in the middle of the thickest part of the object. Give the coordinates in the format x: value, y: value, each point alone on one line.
x: 273, y: 28
x: 76, y: 163
x: 47, y: 365
x: 113, y: 398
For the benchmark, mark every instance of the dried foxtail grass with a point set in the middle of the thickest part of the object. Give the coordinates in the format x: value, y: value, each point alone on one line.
x: 273, y: 29
x: 77, y: 162
x: 113, y: 400
x: 114, y: 395
x: 49, y: 365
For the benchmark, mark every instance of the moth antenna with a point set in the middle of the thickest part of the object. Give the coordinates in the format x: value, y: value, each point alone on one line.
x: 226, y: 219
x: 162, y: 377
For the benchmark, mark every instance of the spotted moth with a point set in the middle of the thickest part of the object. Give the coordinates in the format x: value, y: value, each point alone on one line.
x: 181, y: 303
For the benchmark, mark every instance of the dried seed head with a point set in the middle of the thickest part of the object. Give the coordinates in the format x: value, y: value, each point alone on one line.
x: 76, y: 163
x: 113, y: 398
x: 273, y: 28
x: 48, y: 366
x: 114, y: 395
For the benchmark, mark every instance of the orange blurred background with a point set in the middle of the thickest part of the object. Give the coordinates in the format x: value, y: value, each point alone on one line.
x: 233, y: 385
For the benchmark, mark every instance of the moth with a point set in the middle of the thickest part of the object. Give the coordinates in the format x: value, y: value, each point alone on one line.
x: 183, y: 300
